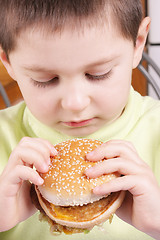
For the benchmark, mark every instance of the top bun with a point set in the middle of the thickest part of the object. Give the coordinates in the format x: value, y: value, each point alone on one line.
x: 65, y: 183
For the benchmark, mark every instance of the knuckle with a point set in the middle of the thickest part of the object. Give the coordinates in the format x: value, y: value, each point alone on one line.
x: 24, y: 140
x: 15, y: 155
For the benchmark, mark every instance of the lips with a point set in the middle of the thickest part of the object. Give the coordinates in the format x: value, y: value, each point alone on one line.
x: 78, y: 123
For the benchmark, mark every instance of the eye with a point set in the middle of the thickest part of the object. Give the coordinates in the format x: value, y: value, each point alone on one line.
x: 53, y: 81
x: 99, y: 77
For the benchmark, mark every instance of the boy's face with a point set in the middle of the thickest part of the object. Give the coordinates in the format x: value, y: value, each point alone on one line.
x: 74, y: 82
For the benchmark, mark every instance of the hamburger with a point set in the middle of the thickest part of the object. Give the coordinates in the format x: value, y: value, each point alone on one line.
x: 66, y: 199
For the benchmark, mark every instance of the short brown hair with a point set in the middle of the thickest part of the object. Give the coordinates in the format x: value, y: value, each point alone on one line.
x: 54, y: 15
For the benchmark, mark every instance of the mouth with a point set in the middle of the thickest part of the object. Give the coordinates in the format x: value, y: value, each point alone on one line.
x: 78, y: 123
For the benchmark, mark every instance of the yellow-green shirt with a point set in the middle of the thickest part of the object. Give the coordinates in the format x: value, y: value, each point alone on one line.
x: 139, y: 123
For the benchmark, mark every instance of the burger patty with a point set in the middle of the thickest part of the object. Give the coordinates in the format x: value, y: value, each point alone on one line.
x: 54, y: 227
x: 77, y: 213
x: 83, y: 213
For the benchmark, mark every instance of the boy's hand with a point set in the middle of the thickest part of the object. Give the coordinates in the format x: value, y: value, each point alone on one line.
x: 141, y: 207
x: 15, y: 202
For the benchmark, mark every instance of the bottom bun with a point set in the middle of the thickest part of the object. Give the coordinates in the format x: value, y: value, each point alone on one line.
x: 96, y: 213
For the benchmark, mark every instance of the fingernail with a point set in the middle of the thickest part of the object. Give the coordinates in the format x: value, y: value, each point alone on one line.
x: 89, y: 155
x: 54, y: 151
x: 96, y: 190
x: 41, y: 181
x: 45, y: 167
x: 89, y: 171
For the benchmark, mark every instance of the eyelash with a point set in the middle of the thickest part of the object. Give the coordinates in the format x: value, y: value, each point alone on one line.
x: 45, y: 84
x: 56, y: 79
x: 99, y: 77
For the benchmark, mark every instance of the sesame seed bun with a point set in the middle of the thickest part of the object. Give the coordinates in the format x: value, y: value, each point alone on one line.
x: 66, y: 195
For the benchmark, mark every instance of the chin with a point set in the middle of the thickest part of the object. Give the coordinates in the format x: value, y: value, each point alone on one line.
x: 80, y: 132
x: 66, y: 199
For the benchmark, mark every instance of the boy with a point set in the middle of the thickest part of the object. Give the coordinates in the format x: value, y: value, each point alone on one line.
x: 73, y: 62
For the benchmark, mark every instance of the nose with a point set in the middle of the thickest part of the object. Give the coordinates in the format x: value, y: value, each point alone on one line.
x: 75, y: 98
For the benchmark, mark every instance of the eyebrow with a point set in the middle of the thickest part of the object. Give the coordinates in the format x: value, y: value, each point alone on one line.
x: 102, y: 61
x: 36, y: 68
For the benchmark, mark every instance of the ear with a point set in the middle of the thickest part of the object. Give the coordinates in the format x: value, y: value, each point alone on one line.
x: 7, y: 64
x: 141, y: 40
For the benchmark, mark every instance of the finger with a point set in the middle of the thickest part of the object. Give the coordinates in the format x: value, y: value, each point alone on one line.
x: 110, y: 149
x: 39, y: 144
x: 135, y: 184
x: 124, y: 142
x: 29, y: 157
x: 20, y: 174
x: 123, y: 183
x: 23, y: 173
x: 48, y: 145
x: 120, y: 165
x: 26, y: 151
x: 114, y: 149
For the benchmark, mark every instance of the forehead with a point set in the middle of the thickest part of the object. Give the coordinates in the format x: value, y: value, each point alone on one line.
x: 69, y: 50
x: 44, y: 33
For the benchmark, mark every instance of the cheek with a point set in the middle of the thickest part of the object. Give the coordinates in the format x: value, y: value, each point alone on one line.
x: 42, y: 103
x: 43, y: 110
x: 113, y: 99
x: 39, y: 101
